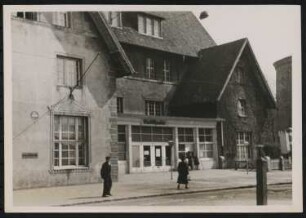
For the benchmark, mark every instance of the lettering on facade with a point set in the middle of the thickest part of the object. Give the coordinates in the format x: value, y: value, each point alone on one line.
x: 29, y: 155
x: 153, y: 121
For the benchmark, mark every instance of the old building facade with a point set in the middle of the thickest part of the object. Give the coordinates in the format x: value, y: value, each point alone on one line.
x: 59, y: 136
x: 283, y: 117
x: 143, y: 87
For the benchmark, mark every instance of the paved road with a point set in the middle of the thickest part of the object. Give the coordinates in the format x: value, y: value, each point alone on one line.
x: 278, y: 195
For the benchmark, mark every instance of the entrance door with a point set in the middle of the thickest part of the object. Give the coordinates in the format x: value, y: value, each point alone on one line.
x: 146, y: 155
x: 158, y: 155
x: 168, y: 155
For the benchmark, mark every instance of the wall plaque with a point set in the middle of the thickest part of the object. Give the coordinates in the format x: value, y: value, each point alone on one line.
x: 29, y: 155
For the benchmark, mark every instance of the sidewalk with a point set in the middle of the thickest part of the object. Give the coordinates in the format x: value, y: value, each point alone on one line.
x: 133, y: 186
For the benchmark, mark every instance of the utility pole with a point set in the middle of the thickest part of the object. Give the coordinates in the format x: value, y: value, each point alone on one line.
x: 261, y: 177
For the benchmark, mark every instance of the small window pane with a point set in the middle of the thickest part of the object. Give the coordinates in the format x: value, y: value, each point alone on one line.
x: 149, y: 26
x: 157, y: 27
x: 141, y: 24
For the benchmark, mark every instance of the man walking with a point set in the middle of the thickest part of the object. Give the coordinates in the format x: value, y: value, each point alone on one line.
x: 106, y: 176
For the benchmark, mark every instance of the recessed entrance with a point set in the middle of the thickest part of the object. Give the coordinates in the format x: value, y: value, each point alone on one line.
x: 152, y: 156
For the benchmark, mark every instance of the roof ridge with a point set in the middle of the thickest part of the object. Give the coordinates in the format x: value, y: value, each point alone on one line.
x: 227, y: 43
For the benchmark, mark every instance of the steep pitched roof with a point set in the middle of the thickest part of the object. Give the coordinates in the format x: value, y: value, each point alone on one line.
x: 112, y: 43
x: 208, y: 79
x: 182, y: 34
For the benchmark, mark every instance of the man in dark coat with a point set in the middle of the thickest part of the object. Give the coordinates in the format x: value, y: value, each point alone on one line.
x: 182, y: 173
x: 106, y: 176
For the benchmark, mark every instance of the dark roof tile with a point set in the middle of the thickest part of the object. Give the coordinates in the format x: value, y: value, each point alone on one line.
x: 182, y: 34
x: 208, y: 76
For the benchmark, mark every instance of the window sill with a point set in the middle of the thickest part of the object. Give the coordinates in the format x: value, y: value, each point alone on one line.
x: 117, y: 27
x: 70, y: 170
x: 156, y: 37
x: 151, y: 80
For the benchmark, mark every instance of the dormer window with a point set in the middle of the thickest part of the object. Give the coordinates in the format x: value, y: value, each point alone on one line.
x: 28, y: 15
x: 149, y: 25
x: 113, y: 18
x: 62, y: 19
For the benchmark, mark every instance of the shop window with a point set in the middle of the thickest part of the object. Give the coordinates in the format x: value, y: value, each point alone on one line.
x: 119, y: 105
x: 70, y: 148
x: 121, y: 133
x: 154, y: 108
x: 121, y: 142
x: 243, y: 146
x: 69, y: 71
x: 62, y: 19
x: 28, y: 15
x: 151, y: 134
x: 185, y: 135
x: 113, y: 18
x: 206, y: 143
x: 241, y: 107
x: 149, y: 25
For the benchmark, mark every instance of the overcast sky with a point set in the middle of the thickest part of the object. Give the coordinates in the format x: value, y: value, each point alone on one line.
x: 273, y: 31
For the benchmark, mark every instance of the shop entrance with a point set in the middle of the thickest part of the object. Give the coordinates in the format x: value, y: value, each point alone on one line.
x: 152, y: 157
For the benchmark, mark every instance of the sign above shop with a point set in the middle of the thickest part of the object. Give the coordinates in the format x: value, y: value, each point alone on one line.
x: 153, y: 121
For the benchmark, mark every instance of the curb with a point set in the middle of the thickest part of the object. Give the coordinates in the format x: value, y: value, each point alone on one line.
x: 167, y: 194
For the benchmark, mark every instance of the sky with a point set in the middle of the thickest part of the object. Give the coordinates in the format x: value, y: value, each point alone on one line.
x: 273, y: 31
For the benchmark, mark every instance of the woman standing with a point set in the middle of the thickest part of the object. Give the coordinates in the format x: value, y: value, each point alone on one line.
x: 182, y: 173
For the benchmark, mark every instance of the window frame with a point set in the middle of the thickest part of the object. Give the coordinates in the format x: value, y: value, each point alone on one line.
x: 205, y: 143
x: 122, y: 141
x: 185, y: 136
x: 25, y: 13
x: 167, y: 71
x: 152, y: 108
x: 79, y: 63
x: 141, y: 133
x: 243, y: 149
x: 120, y: 108
x: 111, y: 16
x: 67, y: 19
x: 241, y: 107
x: 145, y: 20
x: 150, y: 70
x: 60, y: 140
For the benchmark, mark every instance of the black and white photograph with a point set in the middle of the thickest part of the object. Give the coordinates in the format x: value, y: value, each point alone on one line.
x: 148, y: 108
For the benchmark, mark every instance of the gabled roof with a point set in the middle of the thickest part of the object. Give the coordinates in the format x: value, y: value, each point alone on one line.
x: 112, y: 43
x: 182, y: 34
x: 209, y: 78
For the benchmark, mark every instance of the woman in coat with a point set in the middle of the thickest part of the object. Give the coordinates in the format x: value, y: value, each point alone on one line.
x: 182, y: 173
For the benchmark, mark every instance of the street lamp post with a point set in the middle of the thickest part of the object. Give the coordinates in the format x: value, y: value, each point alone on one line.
x: 171, y: 143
